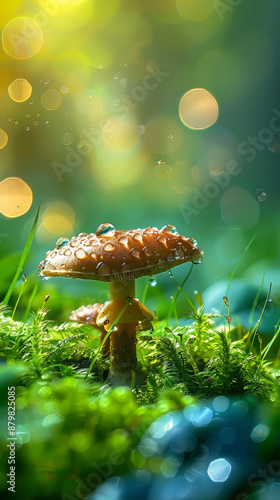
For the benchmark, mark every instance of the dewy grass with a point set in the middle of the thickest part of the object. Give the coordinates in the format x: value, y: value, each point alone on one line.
x: 23, y: 258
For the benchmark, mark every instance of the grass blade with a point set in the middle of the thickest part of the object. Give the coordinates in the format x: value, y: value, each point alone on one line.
x: 30, y: 302
x: 23, y: 258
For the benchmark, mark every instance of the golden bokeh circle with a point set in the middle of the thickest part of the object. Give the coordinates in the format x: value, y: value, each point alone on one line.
x: 59, y: 218
x: 198, y: 109
x: 3, y: 138
x: 51, y: 99
x: 20, y: 90
x: 15, y: 197
x: 22, y: 38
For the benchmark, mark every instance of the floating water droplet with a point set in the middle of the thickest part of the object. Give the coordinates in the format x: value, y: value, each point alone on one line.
x: 141, y: 129
x: 260, y: 195
x: 92, y: 127
x: 9, y: 120
x: 27, y: 115
x: 171, y: 136
x: 100, y: 66
x: 67, y: 139
x: 64, y: 90
x: 116, y: 77
x: 214, y: 169
x: 27, y: 128
x: 31, y: 101
x: 163, y: 171
x: 82, y: 145
x: 273, y: 143
x: 47, y: 82
x: 38, y: 115
x: 16, y: 122
x: 152, y: 282
x: 123, y: 82
x: 47, y: 122
x: 35, y: 123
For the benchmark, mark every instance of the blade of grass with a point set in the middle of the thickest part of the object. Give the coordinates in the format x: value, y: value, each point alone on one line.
x: 30, y: 302
x: 256, y: 327
x: 237, y: 265
x: 180, y: 289
x: 255, y: 303
x: 23, y: 258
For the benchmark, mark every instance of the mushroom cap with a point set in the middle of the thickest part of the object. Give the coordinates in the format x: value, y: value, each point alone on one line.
x: 87, y: 314
x: 112, y: 255
x: 134, y: 313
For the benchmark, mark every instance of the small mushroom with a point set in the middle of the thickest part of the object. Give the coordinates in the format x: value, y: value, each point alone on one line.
x: 119, y: 257
x: 88, y: 315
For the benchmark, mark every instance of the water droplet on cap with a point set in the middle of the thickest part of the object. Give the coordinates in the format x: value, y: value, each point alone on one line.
x: 152, y: 282
x: 105, y: 229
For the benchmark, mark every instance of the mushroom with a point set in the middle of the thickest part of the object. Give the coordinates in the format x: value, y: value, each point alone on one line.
x: 88, y: 315
x: 119, y: 257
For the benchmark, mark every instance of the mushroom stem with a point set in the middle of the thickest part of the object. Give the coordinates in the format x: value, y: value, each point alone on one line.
x: 123, y: 353
x: 121, y: 290
x: 123, y: 338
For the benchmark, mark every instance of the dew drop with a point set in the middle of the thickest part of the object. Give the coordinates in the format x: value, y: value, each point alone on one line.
x: 80, y: 253
x: 163, y: 171
x: 67, y: 139
x: 141, y: 129
x: 62, y: 242
x: 27, y: 128
x: 273, y: 143
x: 106, y: 229
x: 123, y: 82
x: 35, y: 123
x: 64, y: 90
x: 16, y: 122
x: 152, y: 282
x: 260, y: 195
x: 169, y: 229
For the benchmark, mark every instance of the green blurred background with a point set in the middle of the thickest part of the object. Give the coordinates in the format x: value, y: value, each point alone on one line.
x: 117, y: 151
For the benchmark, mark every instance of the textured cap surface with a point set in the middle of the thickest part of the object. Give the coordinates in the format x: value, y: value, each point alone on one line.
x: 111, y: 255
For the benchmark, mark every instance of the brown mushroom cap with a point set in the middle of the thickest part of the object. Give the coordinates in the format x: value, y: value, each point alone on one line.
x: 111, y: 255
x: 87, y: 314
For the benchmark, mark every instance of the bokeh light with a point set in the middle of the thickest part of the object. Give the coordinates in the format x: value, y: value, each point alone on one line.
x: 260, y: 433
x: 239, y: 208
x: 59, y: 219
x: 3, y: 138
x: 195, y: 10
x: 51, y: 99
x: 219, y: 470
x: 198, y: 109
x: 119, y: 135
x: 20, y: 90
x: 22, y: 38
x: 15, y: 197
